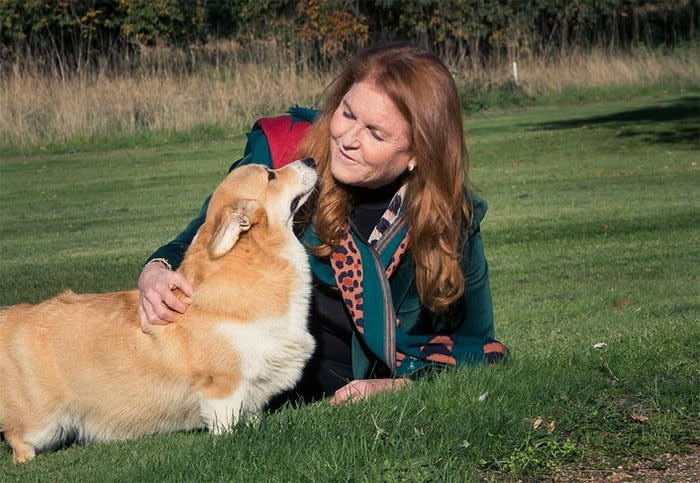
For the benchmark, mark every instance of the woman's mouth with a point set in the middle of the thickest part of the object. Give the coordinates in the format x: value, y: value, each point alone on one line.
x: 345, y: 156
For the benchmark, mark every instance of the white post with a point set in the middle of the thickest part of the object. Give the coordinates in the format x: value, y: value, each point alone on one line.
x: 515, y: 72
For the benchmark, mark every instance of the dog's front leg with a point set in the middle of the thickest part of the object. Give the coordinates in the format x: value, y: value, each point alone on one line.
x: 21, y: 450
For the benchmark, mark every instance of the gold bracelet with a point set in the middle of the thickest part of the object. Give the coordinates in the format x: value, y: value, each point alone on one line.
x: 163, y: 261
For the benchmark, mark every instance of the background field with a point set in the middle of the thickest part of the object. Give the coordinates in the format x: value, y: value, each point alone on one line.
x: 592, y: 236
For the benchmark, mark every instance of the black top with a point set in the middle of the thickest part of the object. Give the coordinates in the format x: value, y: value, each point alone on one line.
x: 330, y: 367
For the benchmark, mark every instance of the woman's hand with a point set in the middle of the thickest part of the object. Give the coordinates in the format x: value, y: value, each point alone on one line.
x: 363, y: 388
x: 158, y: 304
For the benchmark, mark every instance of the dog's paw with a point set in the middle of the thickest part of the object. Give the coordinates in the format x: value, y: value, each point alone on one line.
x: 22, y: 452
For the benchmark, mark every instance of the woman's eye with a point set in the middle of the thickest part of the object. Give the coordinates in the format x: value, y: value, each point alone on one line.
x: 348, y: 115
x: 271, y: 175
x: 376, y: 135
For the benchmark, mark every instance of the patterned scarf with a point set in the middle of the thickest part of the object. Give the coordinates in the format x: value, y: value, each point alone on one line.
x: 346, y: 262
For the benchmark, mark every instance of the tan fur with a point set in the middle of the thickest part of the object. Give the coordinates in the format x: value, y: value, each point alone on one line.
x: 80, y: 364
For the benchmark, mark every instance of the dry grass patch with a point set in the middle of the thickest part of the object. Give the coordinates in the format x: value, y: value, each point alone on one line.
x: 36, y: 109
x: 682, y: 467
x: 167, y: 93
x: 598, y: 68
x: 603, y: 69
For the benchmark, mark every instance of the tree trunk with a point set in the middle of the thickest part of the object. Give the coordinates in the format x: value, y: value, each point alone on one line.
x: 564, y: 37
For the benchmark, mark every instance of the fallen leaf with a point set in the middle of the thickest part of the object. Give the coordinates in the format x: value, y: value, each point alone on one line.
x: 621, y: 303
x: 537, y: 423
x: 639, y: 418
x: 550, y: 427
x: 621, y: 476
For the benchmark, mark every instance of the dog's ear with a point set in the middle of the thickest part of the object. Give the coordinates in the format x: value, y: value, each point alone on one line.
x: 233, y: 220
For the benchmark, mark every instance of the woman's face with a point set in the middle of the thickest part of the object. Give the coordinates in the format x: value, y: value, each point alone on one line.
x: 370, y: 138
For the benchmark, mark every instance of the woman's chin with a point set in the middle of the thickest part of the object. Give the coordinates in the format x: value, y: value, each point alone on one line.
x: 345, y: 175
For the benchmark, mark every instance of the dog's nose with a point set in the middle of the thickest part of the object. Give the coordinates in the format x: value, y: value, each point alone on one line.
x: 310, y: 162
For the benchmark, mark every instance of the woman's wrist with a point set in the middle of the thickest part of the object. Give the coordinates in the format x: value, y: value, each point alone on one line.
x: 161, y: 261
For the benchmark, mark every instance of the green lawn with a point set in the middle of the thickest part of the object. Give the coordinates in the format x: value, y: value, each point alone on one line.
x: 592, y: 236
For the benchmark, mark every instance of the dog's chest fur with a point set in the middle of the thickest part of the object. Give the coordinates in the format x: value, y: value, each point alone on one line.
x: 274, y: 350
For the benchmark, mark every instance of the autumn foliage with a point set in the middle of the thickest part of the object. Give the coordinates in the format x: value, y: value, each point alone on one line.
x: 79, y: 34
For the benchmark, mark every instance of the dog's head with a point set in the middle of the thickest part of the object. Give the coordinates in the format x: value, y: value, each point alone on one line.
x: 255, y: 195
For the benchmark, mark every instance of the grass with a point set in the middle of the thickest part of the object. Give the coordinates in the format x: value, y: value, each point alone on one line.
x: 592, y: 236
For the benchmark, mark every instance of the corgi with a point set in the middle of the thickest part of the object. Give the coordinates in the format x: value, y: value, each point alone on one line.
x: 78, y: 367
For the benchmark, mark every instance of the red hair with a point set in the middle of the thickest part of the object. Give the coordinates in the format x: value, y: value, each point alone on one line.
x: 424, y: 92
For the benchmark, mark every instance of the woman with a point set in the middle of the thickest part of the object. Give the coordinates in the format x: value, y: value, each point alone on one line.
x: 400, y: 277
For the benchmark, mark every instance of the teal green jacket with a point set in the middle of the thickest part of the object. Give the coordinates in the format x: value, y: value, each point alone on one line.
x: 395, y: 327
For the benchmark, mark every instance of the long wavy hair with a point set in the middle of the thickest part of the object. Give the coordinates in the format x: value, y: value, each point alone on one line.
x: 424, y: 91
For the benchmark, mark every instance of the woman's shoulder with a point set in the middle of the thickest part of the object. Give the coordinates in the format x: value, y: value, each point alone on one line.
x: 303, y: 114
x: 478, y: 207
x: 273, y: 140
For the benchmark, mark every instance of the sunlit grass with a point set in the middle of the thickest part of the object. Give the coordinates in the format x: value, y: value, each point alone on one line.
x: 592, y: 237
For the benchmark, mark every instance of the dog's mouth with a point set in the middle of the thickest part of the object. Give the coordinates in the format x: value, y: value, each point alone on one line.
x: 295, y: 203
x: 299, y: 200
x: 308, y: 178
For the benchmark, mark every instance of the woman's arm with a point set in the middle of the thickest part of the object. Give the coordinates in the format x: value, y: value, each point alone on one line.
x: 174, y: 250
x: 476, y: 304
x: 465, y: 333
x: 474, y: 333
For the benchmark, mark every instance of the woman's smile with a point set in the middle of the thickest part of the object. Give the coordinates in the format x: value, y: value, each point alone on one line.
x: 345, y: 156
x: 370, y: 138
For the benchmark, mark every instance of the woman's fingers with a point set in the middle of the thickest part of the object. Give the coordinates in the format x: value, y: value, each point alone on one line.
x: 170, y: 304
x: 158, y: 305
x: 348, y: 392
x: 145, y: 325
x: 179, y: 281
x: 362, y: 388
x: 152, y: 311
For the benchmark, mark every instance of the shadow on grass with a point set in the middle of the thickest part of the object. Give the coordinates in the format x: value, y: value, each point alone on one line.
x: 640, y: 227
x: 675, y: 122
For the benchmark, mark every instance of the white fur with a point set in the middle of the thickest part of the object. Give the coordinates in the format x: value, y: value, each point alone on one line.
x: 273, y: 352
x: 63, y: 427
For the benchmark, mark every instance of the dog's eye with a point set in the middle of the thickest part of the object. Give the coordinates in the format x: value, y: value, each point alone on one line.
x: 271, y: 175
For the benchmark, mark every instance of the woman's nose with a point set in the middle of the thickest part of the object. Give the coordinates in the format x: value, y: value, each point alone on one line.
x: 350, y: 138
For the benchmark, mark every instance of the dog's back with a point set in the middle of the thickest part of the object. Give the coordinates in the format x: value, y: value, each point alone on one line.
x: 76, y: 367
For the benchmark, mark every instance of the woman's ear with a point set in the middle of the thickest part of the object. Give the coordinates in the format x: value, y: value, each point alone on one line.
x: 231, y: 222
